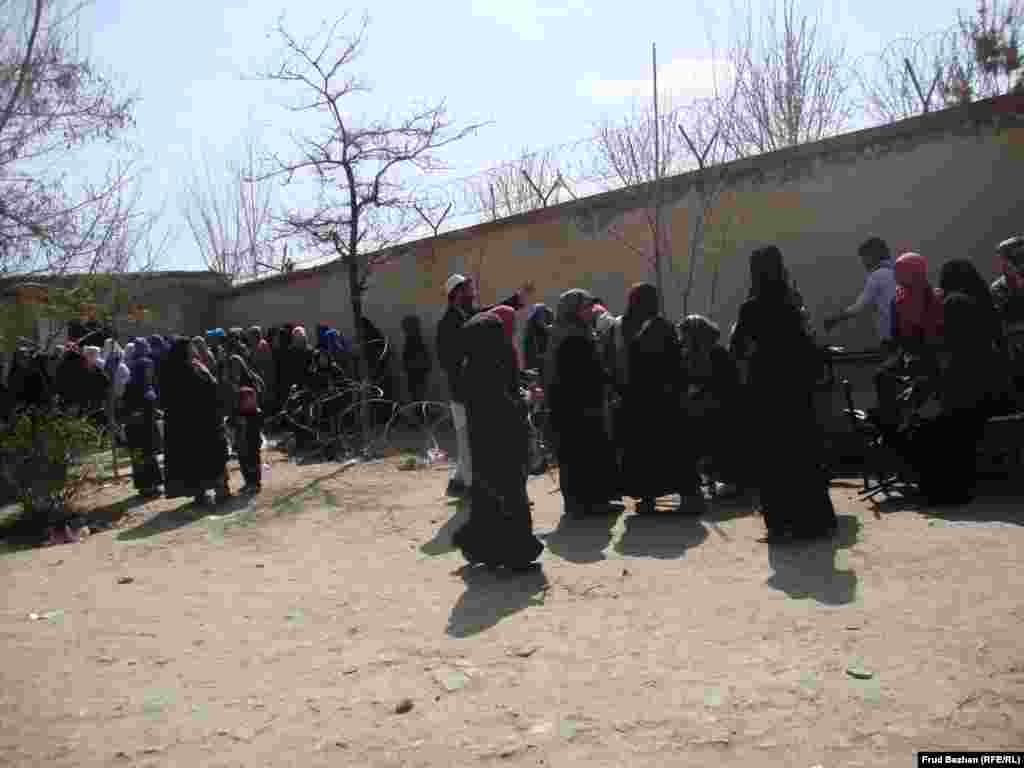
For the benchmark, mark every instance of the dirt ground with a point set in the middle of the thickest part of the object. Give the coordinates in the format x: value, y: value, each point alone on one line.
x: 299, y: 628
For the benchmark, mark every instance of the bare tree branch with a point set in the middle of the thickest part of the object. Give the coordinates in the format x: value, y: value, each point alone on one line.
x: 361, y: 171
x: 56, y: 103
x: 792, y: 83
x: 528, y: 182
x: 228, y: 210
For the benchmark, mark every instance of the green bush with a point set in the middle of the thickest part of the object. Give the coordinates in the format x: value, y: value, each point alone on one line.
x: 40, y: 450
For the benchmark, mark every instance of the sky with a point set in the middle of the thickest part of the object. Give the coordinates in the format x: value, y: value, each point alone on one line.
x: 539, y: 72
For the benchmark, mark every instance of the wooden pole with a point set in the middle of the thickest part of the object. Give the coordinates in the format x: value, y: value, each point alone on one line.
x: 112, y: 409
x: 657, y: 182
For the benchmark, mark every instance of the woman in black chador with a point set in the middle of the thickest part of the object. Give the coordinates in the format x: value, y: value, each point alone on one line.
x: 656, y: 459
x: 941, y: 439
x: 195, y: 443
x: 786, y: 440
x: 500, y: 527
x: 587, y: 470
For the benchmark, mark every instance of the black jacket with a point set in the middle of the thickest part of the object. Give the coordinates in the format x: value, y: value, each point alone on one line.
x: 450, y: 352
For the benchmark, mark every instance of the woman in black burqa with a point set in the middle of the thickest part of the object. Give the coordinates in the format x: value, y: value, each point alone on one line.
x: 195, y: 444
x: 500, y: 527
x: 575, y: 389
x: 656, y: 457
x: 786, y: 439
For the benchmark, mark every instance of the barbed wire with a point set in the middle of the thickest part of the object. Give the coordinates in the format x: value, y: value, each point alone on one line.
x: 465, y: 191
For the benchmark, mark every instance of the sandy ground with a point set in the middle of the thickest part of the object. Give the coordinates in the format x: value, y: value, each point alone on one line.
x: 289, y: 632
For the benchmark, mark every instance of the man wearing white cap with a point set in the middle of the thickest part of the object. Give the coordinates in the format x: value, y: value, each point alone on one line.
x: 462, y: 298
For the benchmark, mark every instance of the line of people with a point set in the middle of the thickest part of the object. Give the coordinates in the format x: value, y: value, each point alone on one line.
x: 637, y: 406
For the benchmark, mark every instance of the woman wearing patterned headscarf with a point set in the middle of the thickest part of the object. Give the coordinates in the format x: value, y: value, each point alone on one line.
x: 575, y: 392
x: 651, y: 418
x: 140, y: 421
x: 500, y: 527
x: 784, y: 366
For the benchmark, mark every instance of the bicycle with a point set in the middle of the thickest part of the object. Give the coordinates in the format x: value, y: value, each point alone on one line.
x: 541, y: 452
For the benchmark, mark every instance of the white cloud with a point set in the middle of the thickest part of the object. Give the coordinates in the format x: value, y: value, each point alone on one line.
x: 528, y: 17
x: 682, y: 79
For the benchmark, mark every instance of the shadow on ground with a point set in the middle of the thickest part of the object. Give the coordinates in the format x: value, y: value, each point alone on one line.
x: 180, y: 516
x: 807, y: 570
x: 665, y: 534
x: 108, y: 516
x: 583, y: 540
x: 493, y: 594
x: 722, y: 509
x: 442, y: 542
x: 290, y: 501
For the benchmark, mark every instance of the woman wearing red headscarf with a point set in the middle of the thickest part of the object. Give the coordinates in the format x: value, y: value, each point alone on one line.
x: 918, y: 316
x: 916, y: 332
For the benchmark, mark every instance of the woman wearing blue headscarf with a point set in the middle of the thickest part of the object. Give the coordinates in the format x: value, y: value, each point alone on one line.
x: 140, y: 420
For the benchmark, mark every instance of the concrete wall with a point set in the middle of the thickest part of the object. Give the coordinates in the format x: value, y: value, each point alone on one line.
x: 945, y: 184
x: 175, y: 302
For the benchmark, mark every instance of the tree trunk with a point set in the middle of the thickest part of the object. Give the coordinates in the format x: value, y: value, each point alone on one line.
x: 362, y: 361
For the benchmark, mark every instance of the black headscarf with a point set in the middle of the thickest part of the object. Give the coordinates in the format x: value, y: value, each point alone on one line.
x: 963, y: 323
x: 490, y: 364
x: 642, y: 305
x: 960, y: 276
x: 176, y: 374
x: 768, y: 276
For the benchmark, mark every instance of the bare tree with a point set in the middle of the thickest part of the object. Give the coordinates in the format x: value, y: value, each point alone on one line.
x: 634, y: 153
x: 533, y: 180
x: 54, y: 102
x: 703, y: 127
x: 792, y: 82
x: 228, y: 210
x: 256, y: 198
x: 360, y: 169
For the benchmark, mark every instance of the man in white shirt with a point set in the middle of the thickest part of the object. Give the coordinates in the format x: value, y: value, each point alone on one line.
x: 879, y: 289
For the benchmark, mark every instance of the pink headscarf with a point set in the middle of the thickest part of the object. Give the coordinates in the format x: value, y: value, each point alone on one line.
x: 507, y: 315
x: 918, y: 308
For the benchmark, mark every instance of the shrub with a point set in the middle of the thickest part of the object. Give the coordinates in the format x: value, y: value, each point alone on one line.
x: 40, y: 450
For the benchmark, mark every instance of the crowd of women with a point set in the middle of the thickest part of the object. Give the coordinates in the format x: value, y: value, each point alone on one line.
x: 638, y: 406
x: 192, y: 399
